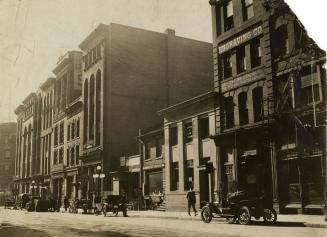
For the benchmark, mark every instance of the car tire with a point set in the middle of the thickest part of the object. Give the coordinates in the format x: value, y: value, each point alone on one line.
x: 206, y: 214
x: 244, y: 215
x: 269, y: 215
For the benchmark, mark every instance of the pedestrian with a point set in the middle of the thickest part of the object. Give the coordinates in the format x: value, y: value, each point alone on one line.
x: 191, y: 200
x: 66, y: 203
x: 123, y: 201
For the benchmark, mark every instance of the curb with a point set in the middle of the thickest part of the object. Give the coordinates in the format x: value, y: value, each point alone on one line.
x: 192, y: 218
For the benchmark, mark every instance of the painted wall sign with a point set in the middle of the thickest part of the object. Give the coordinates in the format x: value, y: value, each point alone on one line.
x: 240, y: 39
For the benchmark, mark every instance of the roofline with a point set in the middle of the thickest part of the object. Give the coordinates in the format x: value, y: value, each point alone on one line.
x: 47, y: 83
x: 187, y: 102
x: 100, y: 27
x: 32, y: 94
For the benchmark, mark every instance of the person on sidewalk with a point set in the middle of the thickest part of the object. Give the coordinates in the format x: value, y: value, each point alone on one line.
x: 66, y: 203
x: 191, y: 199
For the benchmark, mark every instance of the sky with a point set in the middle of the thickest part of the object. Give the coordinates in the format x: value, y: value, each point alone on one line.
x: 35, y: 33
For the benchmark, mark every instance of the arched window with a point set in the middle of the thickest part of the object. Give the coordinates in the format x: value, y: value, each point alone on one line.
x: 257, y: 96
x: 86, y: 102
x: 229, y: 112
x: 98, y: 107
x: 91, y: 123
x: 243, y: 108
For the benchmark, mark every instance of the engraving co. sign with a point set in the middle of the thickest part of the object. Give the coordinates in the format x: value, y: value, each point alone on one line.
x: 240, y: 39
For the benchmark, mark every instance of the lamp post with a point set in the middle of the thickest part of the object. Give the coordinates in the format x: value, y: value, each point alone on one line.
x: 33, y: 187
x: 99, y: 176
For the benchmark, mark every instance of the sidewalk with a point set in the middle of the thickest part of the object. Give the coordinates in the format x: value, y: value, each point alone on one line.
x: 317, y: 221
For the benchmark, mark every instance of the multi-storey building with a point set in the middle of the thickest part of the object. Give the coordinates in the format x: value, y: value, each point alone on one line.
x: 129, y: 74
x: 272, y: 104
x: 7, y: 156
x: 190, y: 156
x: 67, y: 91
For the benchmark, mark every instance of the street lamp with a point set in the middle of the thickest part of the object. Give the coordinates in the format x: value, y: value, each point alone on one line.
x: 99, y: 176
x: 33, y: 187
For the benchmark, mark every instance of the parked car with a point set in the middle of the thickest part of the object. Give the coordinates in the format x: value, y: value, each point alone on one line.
x: 240, y: 207
x: 23, y: 199
x: 113, y: 204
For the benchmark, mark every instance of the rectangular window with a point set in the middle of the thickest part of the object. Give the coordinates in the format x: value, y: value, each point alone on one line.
x: 243, y: 109
x: 68, y: 157
x: 247, y: 9
x: 159, y: 144
x: 77, y: 155
x: 255, y: 53
x: 68, y: 132
x: 174, y: 176
x: 73, y: 130
x: 148, y: 151
x: 241, y: 59
x: 61, y: 155
x: 55, y: 157
x: 56, y: 135
x: 86, y: 61
x: 307, y: 96
x: 228, y: 15
x: 281, y: 46
x: 98, y: 51
x: 72, y: 158
x: 94, y: 55
x: 173, y: 136
x: 229, y: 112
x: 204, y: 128
x: 77, y: 128
x: 227, y: 65
x: 188, y: 132
x: 61, y: 131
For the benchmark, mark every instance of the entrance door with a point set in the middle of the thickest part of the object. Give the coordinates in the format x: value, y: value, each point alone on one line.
x: 204, y: 186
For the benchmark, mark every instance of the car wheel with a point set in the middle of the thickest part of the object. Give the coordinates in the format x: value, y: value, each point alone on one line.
x: 115, y: 212
x: 206, y: 215
x: 269, y: 216
x: 244, y: 215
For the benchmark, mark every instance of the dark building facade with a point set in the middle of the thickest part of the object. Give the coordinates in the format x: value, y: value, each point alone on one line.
x: 271, y: 120
x: 7, y: 156
x: 129, y: 74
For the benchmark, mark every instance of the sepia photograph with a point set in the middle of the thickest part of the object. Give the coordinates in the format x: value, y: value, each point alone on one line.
x: 155, y: 118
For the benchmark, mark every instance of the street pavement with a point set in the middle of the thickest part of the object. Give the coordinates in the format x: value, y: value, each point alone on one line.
x: 16, y: 223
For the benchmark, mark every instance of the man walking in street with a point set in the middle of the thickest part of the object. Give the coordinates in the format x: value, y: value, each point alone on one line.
x: 191, y: 199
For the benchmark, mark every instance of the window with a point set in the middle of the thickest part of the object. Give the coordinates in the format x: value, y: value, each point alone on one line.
x: 55, y: 157
x: 98, y: 51
x: 86, y: 61
x: 159, y: 143
x: 228, y: 15
x: 229, y: 112
x: 174, y: 176
x: 68, y: 157
x: 307, y: 96
x: 281, y: 41
x: 148, y: 151
x: 91, y: 115
x: 56, y: 135
x: 61, y: 132
x: 77, y: 155
x: 77, y: 128
x: 72, y: 158
x: 86, y: 116
x: 68, y: 132
x: 94, y: 52
x: 173, y: 136
x: 188, y: 132
x: 255, y: 53
x: 241, y: 59
x: 257, y: 104
x: 73, y: 130
x: 227, y: 65
x: 243, y: 110
x: 247, y: 9
x: 61, y: 155
x: 204, y: 128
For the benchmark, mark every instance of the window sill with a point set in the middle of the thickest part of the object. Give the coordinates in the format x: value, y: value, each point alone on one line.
x: 243, y: 73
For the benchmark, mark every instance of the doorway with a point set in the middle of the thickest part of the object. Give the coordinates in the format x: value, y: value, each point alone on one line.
x: 204, y: 186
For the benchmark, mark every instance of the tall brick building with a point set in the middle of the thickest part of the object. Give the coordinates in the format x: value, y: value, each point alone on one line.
x: 270, y: 77
x: 129, y: 74
x: 7, y: 156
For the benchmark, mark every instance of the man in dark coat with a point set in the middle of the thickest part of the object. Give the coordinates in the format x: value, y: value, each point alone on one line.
x: 191, y: 199
x: 66, y: 203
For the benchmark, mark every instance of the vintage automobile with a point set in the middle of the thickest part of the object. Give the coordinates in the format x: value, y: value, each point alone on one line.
x: 112, y: 204
x: 240, y: 207
x: 23, y: 199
